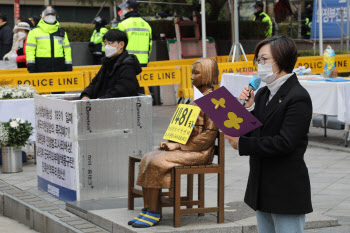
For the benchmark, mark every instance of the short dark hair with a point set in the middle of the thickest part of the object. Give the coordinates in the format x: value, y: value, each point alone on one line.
x: 116, y: 35
x: 3, y: 17
x: 283, y: 49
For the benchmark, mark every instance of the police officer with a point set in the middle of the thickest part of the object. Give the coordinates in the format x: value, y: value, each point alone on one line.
x: 95, y: 45
x: 262, y: 17
x: 48, y: 48
x: 307, y: 22
x: 138, y: 31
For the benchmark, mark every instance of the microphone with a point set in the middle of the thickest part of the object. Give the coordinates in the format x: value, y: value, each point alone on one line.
x: 254, y: 84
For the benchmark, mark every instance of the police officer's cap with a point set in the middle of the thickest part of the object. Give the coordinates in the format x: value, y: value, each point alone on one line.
x: 22, y: 25
x: 98, y: 19
x: 259, y: 4
x: 48, y: 10
x: 132, y: 4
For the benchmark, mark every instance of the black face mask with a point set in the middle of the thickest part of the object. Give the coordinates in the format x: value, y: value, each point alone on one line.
x: 98, y: 27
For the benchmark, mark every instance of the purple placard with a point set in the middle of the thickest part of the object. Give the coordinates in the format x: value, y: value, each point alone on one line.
x: 227, y: 113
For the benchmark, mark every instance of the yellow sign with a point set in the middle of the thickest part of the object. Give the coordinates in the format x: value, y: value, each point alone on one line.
x: 182, y: 123
x: 157, y: 76
x: 47, y: 82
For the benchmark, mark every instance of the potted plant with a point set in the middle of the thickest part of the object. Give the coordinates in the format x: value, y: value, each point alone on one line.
x: 13, y: 135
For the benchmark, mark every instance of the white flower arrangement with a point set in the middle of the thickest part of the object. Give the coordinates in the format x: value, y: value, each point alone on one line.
x: 19, y: 92
x: 4, y: 135
x: 15, y: 133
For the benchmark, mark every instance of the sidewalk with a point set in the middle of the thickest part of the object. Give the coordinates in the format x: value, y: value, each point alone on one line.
x: 327, y: 159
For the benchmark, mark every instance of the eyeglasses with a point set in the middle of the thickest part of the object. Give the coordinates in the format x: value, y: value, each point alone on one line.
x: 261, y: 61
x: 108, y: 43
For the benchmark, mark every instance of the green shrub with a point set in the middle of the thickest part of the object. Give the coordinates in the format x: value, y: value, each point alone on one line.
x: 79, y: 32
x: 284, y: 30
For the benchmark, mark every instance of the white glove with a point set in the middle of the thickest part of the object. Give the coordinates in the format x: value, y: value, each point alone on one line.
x: 14, y: 56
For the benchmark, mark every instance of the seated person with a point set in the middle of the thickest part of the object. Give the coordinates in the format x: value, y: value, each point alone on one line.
x: 117, y: 76
x: 155, y: 167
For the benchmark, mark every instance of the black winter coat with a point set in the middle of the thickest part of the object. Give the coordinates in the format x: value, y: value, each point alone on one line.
x: 6, y: 40
x: 116, y: 78
x: 278, y: 180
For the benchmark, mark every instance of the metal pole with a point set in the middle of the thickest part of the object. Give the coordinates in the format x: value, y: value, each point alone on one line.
x: 232, y: 22
x: 299, y: 20
x: 103, y: 5
x: 235, y: 8
x: 230, y: 2
x: 347, y: 24
x: 204, y: 33
x: 341, y: 28
x: 320, y: 35
x: 115, y: 9
x: 47, y: 2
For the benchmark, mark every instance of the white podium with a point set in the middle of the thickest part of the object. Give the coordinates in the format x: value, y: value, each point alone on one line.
x: 83, y: 146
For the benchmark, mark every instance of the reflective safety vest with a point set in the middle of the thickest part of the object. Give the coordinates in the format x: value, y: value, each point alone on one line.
x: 263, y: 17
x: 97, y: 38
x: 139, y: 37
x: 308, y: 25
x: 48, y: 47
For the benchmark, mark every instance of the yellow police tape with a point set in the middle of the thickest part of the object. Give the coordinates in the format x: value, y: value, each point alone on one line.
x: 159, y: 73
x: 44, y: 82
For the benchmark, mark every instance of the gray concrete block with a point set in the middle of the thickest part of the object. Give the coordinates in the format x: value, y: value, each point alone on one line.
x: 56, y: 212
x: 55, y: 226
x: 248, y: 225
x: 84, y: 226
x: 78, y: 222
x: 40, y: 222
x: 42, y: 204
x: 1, y: 203
x: 317, y: 220
x: 48, y: 208
x: 77, y: 212
x: 14, y: 192
x: 91, y: 230
x: 100, y: 221
x: 70, y: 219
x: 16, y: 209
x: 62, y: 215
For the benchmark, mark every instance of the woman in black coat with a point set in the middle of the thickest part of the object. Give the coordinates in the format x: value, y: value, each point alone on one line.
x: 278, y: 185
x: 117, y: 76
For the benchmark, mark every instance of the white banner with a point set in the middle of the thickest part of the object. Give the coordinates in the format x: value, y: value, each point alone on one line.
x: 56, y: 157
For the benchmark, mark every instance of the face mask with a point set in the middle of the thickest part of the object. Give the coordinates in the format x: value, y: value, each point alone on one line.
x: 110, y: 50
x: 21, y: 35
x: 50, y: 19
x: 266, y: 74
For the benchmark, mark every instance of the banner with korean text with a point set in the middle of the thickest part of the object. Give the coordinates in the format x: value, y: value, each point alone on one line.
x: 331, y: 19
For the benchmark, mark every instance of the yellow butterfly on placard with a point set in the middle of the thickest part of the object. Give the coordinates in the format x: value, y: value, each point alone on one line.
x: 233, y: 121
x: 218, y: 103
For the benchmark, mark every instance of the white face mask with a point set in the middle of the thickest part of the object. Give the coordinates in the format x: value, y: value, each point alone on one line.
x: 50, y: 19
x: 21, y: 35
x: 266, y: 74
x: 110, y: 50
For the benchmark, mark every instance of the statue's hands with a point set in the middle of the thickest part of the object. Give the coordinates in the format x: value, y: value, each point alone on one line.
x: 169, y: 146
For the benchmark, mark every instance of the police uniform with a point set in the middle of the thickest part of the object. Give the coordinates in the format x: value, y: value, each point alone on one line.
x: 139, y: 35
x: 48, y: 49
x: 263, y: 17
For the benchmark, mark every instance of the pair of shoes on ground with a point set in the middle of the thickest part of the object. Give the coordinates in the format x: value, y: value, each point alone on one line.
x: 147, y: 218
